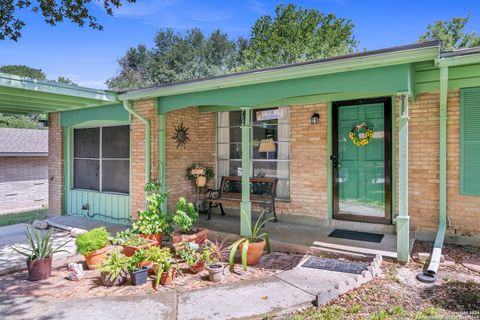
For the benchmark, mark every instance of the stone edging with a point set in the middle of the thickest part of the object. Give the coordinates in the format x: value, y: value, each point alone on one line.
x: 343, y: 287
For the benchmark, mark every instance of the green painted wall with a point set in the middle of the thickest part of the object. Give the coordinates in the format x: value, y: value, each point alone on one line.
x: 427, y: 77
x: 93, y: 116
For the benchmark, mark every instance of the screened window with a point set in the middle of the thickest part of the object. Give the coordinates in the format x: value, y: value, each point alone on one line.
x: 101, y: 159
x: 269, y: 124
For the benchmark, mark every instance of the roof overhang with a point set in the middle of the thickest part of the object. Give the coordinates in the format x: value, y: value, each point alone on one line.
x: 359, y: 61
x: 26, y: 95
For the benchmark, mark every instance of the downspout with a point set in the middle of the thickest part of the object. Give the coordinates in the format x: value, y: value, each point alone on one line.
x: 430, y: 275
x: 127, y: 105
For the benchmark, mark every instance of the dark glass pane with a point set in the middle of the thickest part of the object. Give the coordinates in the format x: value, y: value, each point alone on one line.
x: 235, y: 118
x: 86, y: 174
x: 236, y: 134
x: 235, y: 151
x: 115, y: 176
x: 235, y: 168
x: 116, y: 142
x: 86, y: 143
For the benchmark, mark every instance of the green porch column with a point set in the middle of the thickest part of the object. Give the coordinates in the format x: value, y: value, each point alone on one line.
x: 162, y: 162
x: 245, y: 205
x: 403, y: 225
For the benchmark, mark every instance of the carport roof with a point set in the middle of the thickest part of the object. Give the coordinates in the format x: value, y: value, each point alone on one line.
x: 26, y: 95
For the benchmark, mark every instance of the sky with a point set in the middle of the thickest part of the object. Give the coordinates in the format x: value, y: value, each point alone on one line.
x: 89, y: 57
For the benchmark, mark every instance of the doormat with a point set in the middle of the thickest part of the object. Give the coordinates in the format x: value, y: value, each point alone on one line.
x: 335, y: 265
x: 356, y: 235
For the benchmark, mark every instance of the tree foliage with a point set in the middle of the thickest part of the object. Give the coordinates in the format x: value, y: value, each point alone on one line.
x: 295, y: 34
x: 451, y: 33
x: 24, y: 71
x: 53, y: 12
x: 292, y: 35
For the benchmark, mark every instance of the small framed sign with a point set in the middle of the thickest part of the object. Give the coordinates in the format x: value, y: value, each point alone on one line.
x: 265, y: 115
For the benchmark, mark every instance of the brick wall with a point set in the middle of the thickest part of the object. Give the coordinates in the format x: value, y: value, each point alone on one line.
x: 23, y: 183
x: 55, y: 165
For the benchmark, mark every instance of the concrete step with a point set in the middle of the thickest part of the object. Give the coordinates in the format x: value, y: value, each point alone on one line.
x: 341, y: 250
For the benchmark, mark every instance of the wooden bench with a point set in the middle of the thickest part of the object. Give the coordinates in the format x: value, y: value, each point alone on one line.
x: 262, y: 192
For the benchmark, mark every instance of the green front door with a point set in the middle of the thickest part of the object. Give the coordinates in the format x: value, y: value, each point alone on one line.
x: 361, y: 160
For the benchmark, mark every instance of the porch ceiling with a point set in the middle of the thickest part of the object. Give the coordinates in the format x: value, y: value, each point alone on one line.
x: 26, y: 95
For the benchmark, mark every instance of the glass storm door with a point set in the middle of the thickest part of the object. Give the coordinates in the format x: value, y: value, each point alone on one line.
x: 361, y: 160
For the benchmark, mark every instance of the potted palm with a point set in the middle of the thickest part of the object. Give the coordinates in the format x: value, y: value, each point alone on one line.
x: 39, y: 253
x: 251, y: 247
x: 185, y: 219
x: 93, y: 245
x: 153, y: 223
x: 113, y: 269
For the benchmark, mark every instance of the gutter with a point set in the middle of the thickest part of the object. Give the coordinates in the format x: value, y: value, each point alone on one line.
x: 430, y: 275
x: 127, y: 105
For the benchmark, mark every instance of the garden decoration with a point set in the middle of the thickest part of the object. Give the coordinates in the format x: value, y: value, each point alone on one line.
x: 251, y: 247
x: 93, y: 245
x: 354, y: 135
x: 39, y: 252
x: 114, y: 269
x: 181, y: 135
x: 185, y: 219
x: 201, y: 176
x: 75, y: 271
x: 153, y: 223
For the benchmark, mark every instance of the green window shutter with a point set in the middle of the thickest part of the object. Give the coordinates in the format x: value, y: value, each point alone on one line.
x: 470, y: 141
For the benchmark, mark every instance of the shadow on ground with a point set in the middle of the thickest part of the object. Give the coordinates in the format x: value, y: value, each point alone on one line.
x: 457, y: 296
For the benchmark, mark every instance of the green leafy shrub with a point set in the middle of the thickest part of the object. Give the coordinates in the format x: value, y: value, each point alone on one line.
x: 92, y: 240
x: 122, y: 236
x: 186, y: 215
x: 135, y: 241
x: 153, y: 220
x: 115, y: 264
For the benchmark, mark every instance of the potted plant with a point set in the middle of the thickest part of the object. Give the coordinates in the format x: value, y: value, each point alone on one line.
x: 113, y: 269
x: 153, y: 223
x: 163, y: 264
x: 135, y: 242
x: 189, y: 253
x: 251, y: 247
x: 93, y: 245
x: 214, y: 253
x: 185, y: 219
x: 39, y: 253
x: 200, y: 177
x: 137, y: 268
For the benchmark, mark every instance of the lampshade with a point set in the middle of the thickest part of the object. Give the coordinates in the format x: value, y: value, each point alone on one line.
x: 267, y: 145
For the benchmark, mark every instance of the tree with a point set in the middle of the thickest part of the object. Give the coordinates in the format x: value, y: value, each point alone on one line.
x: 295, y: 34
x: 53, y: 12
x: 451, y: 33
x: 66, y: 80
x: 24, y: 71
x: 176, y: 57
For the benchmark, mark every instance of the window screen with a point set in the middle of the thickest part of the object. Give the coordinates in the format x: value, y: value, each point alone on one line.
x: 102, y: 159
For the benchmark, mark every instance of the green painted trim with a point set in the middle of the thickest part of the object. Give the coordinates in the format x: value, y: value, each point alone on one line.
x: 329, y: 166
x: 394, y: 158
x: 459, y: 60
x: 67, y: 165
x: 246, y: 205
x: 403, y: 232
x: 163, y: 156
x: 293, y: 72
x: 388, y: 80
x: 107, y: 115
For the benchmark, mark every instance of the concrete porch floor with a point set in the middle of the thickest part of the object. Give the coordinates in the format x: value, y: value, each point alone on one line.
x: 313, y: 239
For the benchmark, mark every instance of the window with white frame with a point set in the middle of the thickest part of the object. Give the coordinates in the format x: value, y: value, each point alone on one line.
x: 101, y: 159
x: 269, y: 125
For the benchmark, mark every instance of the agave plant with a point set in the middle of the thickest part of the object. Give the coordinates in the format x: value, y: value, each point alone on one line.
x: 40, y: 244
x: 254, y: 237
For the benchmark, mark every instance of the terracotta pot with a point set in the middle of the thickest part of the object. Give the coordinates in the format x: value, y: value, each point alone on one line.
x: 95, y: 258
x: 155, y: 237
x: 105, y: 276
x: 198, y: 237
x: 129, y: 251
x: 215, y: 272
x: 197, y: 267
x: 201, y: 181
x: 39, y: 269
x: 167, y: 277
x: 254, y: 253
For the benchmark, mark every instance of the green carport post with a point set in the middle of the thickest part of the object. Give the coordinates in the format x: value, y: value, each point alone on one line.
x: 403, y: 225
x: 245, y: 205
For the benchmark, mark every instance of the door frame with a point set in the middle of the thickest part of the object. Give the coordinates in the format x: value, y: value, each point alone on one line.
x: 387, y: 103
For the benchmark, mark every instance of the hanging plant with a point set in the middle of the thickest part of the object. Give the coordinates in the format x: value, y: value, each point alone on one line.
x: 354, y: 135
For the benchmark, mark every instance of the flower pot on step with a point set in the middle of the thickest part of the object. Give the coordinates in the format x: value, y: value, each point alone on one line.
x: 254, y: 253
x: 155, y: 237
x: 167, y: 277
x: 129, y: 251
x: 105, y: 276
x: 139, y: 276
x: 39, y: 269
x: 215, y: 272
x: 94, y: 258
x: 198, y: 237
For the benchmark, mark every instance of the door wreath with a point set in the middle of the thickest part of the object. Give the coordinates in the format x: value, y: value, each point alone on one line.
x: 354, y: 135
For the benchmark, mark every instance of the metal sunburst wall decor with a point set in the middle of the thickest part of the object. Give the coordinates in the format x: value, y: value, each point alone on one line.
x: 181, y: 135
